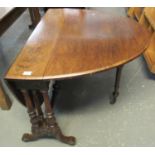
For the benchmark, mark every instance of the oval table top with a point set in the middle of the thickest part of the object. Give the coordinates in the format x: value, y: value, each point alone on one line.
x: 68, y: 43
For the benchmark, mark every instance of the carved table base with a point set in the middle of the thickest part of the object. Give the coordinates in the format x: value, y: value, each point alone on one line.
x: 48, y: 128
x: 32, y: 94
x: 44, y: 125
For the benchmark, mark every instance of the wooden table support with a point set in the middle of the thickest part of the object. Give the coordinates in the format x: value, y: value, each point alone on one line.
x: 35, y: 16
x: 42, y: 127
x: 115, y: 94
x: 56, y: 88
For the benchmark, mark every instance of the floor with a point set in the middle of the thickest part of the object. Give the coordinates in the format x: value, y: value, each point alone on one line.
x: 82, y: 105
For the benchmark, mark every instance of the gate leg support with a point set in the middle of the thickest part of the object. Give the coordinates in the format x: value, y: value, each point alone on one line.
x: 115, y: 94
x: 37, y: 105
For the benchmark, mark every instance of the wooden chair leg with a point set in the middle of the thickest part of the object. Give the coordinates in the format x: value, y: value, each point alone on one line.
x: 115, y: 94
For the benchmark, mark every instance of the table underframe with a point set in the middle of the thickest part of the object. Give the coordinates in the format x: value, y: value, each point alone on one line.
x: 32, y: 93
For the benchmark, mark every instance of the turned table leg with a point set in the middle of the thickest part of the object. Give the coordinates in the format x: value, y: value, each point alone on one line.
x: 44, y: 125
x: 37, y: 105
x: 56, y: 88
x: 52, y: 126
x: 35, y: 16
x: 115, y: 94
x: 33, y: 118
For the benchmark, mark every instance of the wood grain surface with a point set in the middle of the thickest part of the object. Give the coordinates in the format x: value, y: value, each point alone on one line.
x: 148, y: 20
x: 150, y: 15
x: 68, y: 43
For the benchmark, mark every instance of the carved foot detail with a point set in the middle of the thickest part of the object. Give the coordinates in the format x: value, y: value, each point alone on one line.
x: 43, y: 127
x: 67, y: 139
x: 28, y: 137
x: 52, y: 131
x: 113, y: 98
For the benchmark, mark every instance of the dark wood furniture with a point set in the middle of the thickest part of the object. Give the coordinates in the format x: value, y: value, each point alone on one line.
x: 68, y: 43
x: 8, y: 17
x: 35, y: 16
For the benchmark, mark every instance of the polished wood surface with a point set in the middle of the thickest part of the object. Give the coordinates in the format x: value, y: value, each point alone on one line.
x: 150, y: 15
x: 130, y: 11
x: 150, y: 51
x: 149, y: 54
x: 68, y: 43
x: 138, y: 12
x: 135, y: 12
x: 148, y: 20
x: 143, y: 21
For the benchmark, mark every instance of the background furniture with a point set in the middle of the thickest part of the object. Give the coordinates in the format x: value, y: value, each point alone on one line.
x: 146, y: 17
x: 135, y: 12
x: 8, y: 15
x: 35, y: 16
x: 5, y: 102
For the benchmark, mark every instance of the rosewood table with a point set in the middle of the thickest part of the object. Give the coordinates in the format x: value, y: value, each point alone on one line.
x: 68, y: 43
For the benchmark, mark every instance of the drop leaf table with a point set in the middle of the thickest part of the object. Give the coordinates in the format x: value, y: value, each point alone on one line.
x: 68, y: 43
